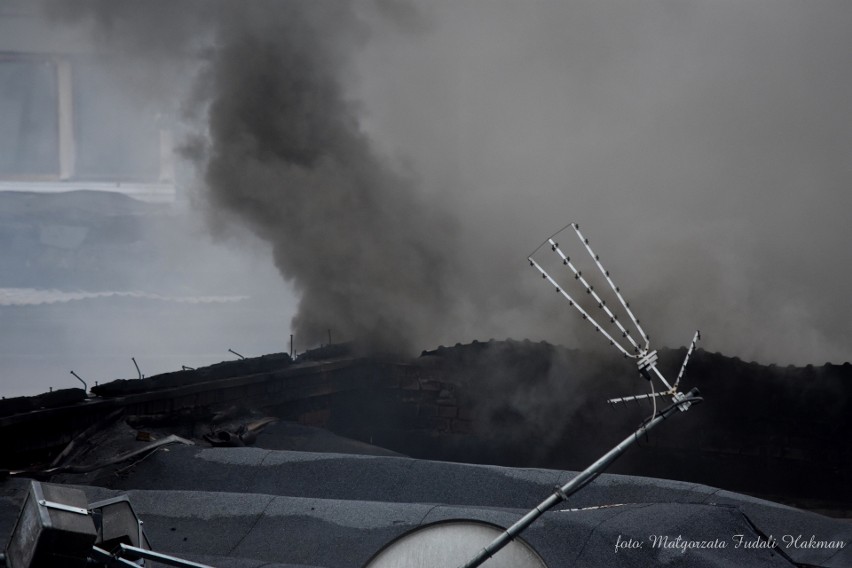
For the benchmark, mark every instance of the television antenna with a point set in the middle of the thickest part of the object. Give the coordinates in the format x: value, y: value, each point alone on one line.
x: 630, y: 340
x: 631, y: 344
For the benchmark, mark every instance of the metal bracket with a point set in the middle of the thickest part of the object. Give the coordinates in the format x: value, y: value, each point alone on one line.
x: 646, y: 362
x: 62, y: 507
x: 679, y: 397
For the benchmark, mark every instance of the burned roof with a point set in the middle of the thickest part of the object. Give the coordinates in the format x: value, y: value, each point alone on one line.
x: 301, y: 495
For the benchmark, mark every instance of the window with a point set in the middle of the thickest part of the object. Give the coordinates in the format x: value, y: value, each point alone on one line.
x: 117, y: 136
x: 29, y: 117
x: 71, y: 121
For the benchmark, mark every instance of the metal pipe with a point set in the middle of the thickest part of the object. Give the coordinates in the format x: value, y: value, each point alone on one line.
x: 581, y: 479
x: 85, y: 386
x: 136, y: 552
x: 99, y: 554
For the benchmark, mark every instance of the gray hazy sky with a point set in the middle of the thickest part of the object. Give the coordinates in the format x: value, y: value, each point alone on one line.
x: 704, y: 147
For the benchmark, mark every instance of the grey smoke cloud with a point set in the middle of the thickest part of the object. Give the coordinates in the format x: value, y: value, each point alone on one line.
x: 280, y: 150
x: 286, y: 155
x: 703, y: 147
x: 402, y: 160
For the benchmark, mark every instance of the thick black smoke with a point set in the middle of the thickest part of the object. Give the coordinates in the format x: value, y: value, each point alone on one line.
x: 367, y: 255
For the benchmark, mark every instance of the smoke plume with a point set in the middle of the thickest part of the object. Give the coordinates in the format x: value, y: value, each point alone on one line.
x: 281, y: 150
x: 402, y: 159
x: 365, y: 252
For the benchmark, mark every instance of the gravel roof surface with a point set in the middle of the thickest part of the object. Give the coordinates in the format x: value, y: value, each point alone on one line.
x: 251, y: 507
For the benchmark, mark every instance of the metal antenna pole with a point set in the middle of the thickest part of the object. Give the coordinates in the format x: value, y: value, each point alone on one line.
x: 646, y: 361
x: 85, y: 386
x: 582, y: 478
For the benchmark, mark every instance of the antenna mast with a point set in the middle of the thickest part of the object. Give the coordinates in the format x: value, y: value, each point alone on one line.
x: 632, y: 344
x: 637, y: 348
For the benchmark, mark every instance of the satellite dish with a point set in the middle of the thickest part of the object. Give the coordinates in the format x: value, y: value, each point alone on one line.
x: 452, y: 543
